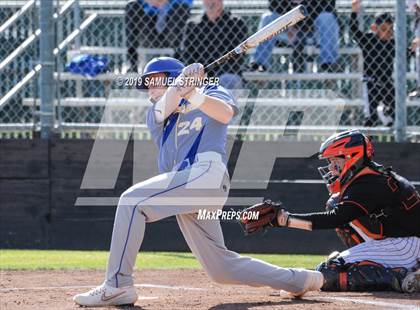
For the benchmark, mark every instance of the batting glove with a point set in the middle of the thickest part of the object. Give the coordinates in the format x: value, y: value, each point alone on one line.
x: 189, y: 79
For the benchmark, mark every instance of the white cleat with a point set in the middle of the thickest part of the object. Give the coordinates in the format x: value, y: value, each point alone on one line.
x: 105, y: 295
x: 313, y: 282
x: 411, y: 283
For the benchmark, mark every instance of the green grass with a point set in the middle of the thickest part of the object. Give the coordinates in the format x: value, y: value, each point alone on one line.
x: 45, y: 259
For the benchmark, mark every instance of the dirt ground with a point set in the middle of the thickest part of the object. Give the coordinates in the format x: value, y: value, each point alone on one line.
x: 179, y: 289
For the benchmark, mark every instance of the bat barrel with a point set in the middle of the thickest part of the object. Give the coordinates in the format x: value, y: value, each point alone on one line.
x: 278, y: 25
x: 266, y: 33
x: 303, y: 10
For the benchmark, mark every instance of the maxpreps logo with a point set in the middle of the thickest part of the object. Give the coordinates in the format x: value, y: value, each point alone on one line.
x: 227, y: 215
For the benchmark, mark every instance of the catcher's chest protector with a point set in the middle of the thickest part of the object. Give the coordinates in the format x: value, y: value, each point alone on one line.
x: 363, y: 228
x: 396, y: 201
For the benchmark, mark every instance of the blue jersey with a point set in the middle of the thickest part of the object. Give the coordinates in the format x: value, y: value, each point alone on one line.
x: 181, y: 136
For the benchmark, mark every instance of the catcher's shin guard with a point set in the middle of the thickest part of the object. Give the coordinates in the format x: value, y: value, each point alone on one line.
x: 362, y: 276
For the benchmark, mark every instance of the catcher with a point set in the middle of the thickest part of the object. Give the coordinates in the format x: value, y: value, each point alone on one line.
x: 375, y: 211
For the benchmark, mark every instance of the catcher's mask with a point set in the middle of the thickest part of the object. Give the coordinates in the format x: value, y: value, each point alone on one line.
x: 354, y: 148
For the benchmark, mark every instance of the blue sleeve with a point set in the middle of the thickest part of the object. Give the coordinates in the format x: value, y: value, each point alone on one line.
x: 222, y: 93
x: 156, y: 129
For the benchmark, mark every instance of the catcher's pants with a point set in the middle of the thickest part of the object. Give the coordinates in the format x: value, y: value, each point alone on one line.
x: 203, y: 185
x: 389, y: 252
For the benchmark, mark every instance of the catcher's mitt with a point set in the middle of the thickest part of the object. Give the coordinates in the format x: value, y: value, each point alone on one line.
x: 267, y: 216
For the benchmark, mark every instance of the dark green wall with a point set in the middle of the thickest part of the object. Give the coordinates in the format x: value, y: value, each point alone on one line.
x: 40, y: 181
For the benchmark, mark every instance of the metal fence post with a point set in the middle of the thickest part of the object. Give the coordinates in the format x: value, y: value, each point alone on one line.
x: 46, y: 79
x: 77, y: 43
x: 400, y: 71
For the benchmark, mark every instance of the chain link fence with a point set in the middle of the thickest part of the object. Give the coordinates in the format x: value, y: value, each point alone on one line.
x: 19, y: 47
x: 342, y: 55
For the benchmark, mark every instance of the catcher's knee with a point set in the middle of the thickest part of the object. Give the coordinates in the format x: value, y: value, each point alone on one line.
x: 360, y: 276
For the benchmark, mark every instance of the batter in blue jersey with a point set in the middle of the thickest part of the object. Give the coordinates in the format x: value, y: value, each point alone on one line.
x: 188, y: 124
x: 188, y: 132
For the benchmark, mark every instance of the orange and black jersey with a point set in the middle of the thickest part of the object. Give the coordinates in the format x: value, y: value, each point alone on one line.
x: 386, y: 202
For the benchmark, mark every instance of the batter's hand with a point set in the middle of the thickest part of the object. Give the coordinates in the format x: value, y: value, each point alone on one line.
x: 195, y: 70
x: 189, y: 79
x: 269, y: 214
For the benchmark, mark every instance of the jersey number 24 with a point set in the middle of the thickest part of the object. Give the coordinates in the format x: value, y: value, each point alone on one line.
x: 186, y: 127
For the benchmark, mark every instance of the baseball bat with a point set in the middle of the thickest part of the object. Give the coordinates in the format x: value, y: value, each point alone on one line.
x: 264, y: 34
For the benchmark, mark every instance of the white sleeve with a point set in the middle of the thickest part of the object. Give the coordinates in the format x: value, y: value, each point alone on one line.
x: 166, y: 105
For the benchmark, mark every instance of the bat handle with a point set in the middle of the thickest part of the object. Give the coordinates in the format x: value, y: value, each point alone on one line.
x: 233, y: 54
x: 211, y: 66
